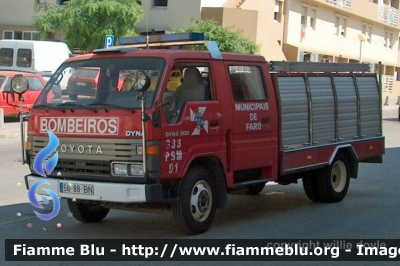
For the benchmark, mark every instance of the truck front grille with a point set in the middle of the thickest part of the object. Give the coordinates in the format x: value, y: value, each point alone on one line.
x: 88, y: 156
x: 77, y: 167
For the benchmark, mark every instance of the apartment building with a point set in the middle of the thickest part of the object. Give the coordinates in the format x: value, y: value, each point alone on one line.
x: 294, y: 30
x: 16, y: 19
x: 321, y: 31
x: 345, y: 31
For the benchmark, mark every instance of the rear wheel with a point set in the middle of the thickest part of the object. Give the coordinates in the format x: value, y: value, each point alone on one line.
x: 310, y: 187
x: 196, y: 207
x: 87, y: 212
x: 334, y: 183
x: 255, y: 189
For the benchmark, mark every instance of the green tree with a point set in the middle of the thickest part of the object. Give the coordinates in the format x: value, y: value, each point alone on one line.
x: 84, y: 23
x: 228, y: 40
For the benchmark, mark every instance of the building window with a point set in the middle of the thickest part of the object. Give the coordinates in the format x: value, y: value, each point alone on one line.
x: 369, y: 36
x: 31, y: 35
x: 398, y: 46
x: 386, y: 38
x: 313, y: 18
x: 389, y: 41
x: 278, y: 11
x: 19, y: 35
x: 160, y: 3
x: 307, y: 57
x: 367, y: 31
x: 8, y: 35
x: 343, y: 29
x: 337, y: 25
x: 304, y: 11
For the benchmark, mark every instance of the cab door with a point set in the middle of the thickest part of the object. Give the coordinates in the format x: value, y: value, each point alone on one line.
x: 195, y: 129
x: 253, y: 139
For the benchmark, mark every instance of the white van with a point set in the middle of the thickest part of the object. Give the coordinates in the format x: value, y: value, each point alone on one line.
x: 43, y: 56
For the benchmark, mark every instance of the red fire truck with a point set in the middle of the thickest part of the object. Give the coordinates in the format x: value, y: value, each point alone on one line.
x: 234, y: 122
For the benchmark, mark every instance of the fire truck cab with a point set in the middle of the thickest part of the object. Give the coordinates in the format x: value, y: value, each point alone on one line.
x: 231, y: 121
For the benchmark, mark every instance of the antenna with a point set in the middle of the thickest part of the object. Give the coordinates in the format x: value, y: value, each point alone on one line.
x: 147, y: 28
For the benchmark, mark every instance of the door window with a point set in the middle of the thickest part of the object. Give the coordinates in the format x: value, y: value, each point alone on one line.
x: 247, y: 83
x: 191, y: 82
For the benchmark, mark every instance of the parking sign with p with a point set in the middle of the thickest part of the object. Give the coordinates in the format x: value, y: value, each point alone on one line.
x: 109, y: 41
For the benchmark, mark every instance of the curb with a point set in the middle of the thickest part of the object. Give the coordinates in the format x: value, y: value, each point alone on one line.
x: 8, y: 135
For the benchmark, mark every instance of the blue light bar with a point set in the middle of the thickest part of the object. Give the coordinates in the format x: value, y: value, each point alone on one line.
x: 132, y: 40
x: 174, y: 37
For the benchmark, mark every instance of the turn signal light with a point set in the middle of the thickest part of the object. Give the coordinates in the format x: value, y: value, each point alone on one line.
x: 152, y: 150
x: 28, y: 145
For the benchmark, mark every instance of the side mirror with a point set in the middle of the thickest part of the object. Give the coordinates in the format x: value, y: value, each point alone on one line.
x: 168, y: 102
x: 141, y: 80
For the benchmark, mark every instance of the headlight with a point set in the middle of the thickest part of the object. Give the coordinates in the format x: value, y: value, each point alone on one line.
x: 119, y: 169
x: 139, y: 150
x: 136, y: 169
x: 127, y: 169
x: 32, y: 161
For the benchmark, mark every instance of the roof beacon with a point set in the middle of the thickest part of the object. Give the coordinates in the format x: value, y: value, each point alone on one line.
x: 162, y: 38
x: 171, y: 40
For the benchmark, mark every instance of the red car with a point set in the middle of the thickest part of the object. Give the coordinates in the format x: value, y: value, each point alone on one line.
x: 84, y: 81
x: 36, y: 84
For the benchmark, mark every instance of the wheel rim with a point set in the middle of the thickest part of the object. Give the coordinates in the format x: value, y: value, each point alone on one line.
x: 339, y: 176
x: 201, y: 201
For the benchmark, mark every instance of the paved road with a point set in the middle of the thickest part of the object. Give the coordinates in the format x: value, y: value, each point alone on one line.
x: 370, y: 210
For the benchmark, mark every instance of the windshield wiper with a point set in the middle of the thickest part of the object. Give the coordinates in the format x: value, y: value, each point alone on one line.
x: 111, y: 106
x: 71, y: 104
x: 43, y: 106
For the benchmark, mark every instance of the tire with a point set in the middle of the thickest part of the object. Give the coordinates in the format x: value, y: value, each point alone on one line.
x: 255, y: 189
x: 310, y: 188
x: 334, y: 183
x: 87, y: 212
x: 195, y: 210
x: 73, y: 96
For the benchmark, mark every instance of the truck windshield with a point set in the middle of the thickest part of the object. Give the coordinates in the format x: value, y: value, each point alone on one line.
x: 101, y: 82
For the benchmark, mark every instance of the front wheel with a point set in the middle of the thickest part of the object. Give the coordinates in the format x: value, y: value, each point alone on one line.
x: 87, y: 212
x: 195, y: 210
x: 334, y: 183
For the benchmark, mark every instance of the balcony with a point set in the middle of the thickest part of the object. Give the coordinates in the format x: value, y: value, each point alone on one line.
x: 342, y: 3
x: 387, y: 83
x: 388, y: 14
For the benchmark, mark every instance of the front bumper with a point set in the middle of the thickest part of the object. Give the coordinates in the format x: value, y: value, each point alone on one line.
x: 107, y: 192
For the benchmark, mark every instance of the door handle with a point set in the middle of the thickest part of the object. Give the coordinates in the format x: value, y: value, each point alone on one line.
x: 265, y: 120
x: 214, y: 123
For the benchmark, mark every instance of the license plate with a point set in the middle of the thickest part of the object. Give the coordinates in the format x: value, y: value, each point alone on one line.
x: 76, y: 188
x: 81, y: 83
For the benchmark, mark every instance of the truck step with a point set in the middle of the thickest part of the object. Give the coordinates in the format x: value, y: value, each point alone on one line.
x: 244, y: 184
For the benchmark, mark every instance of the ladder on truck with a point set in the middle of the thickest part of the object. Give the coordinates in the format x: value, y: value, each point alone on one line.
x: 285, y: 66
